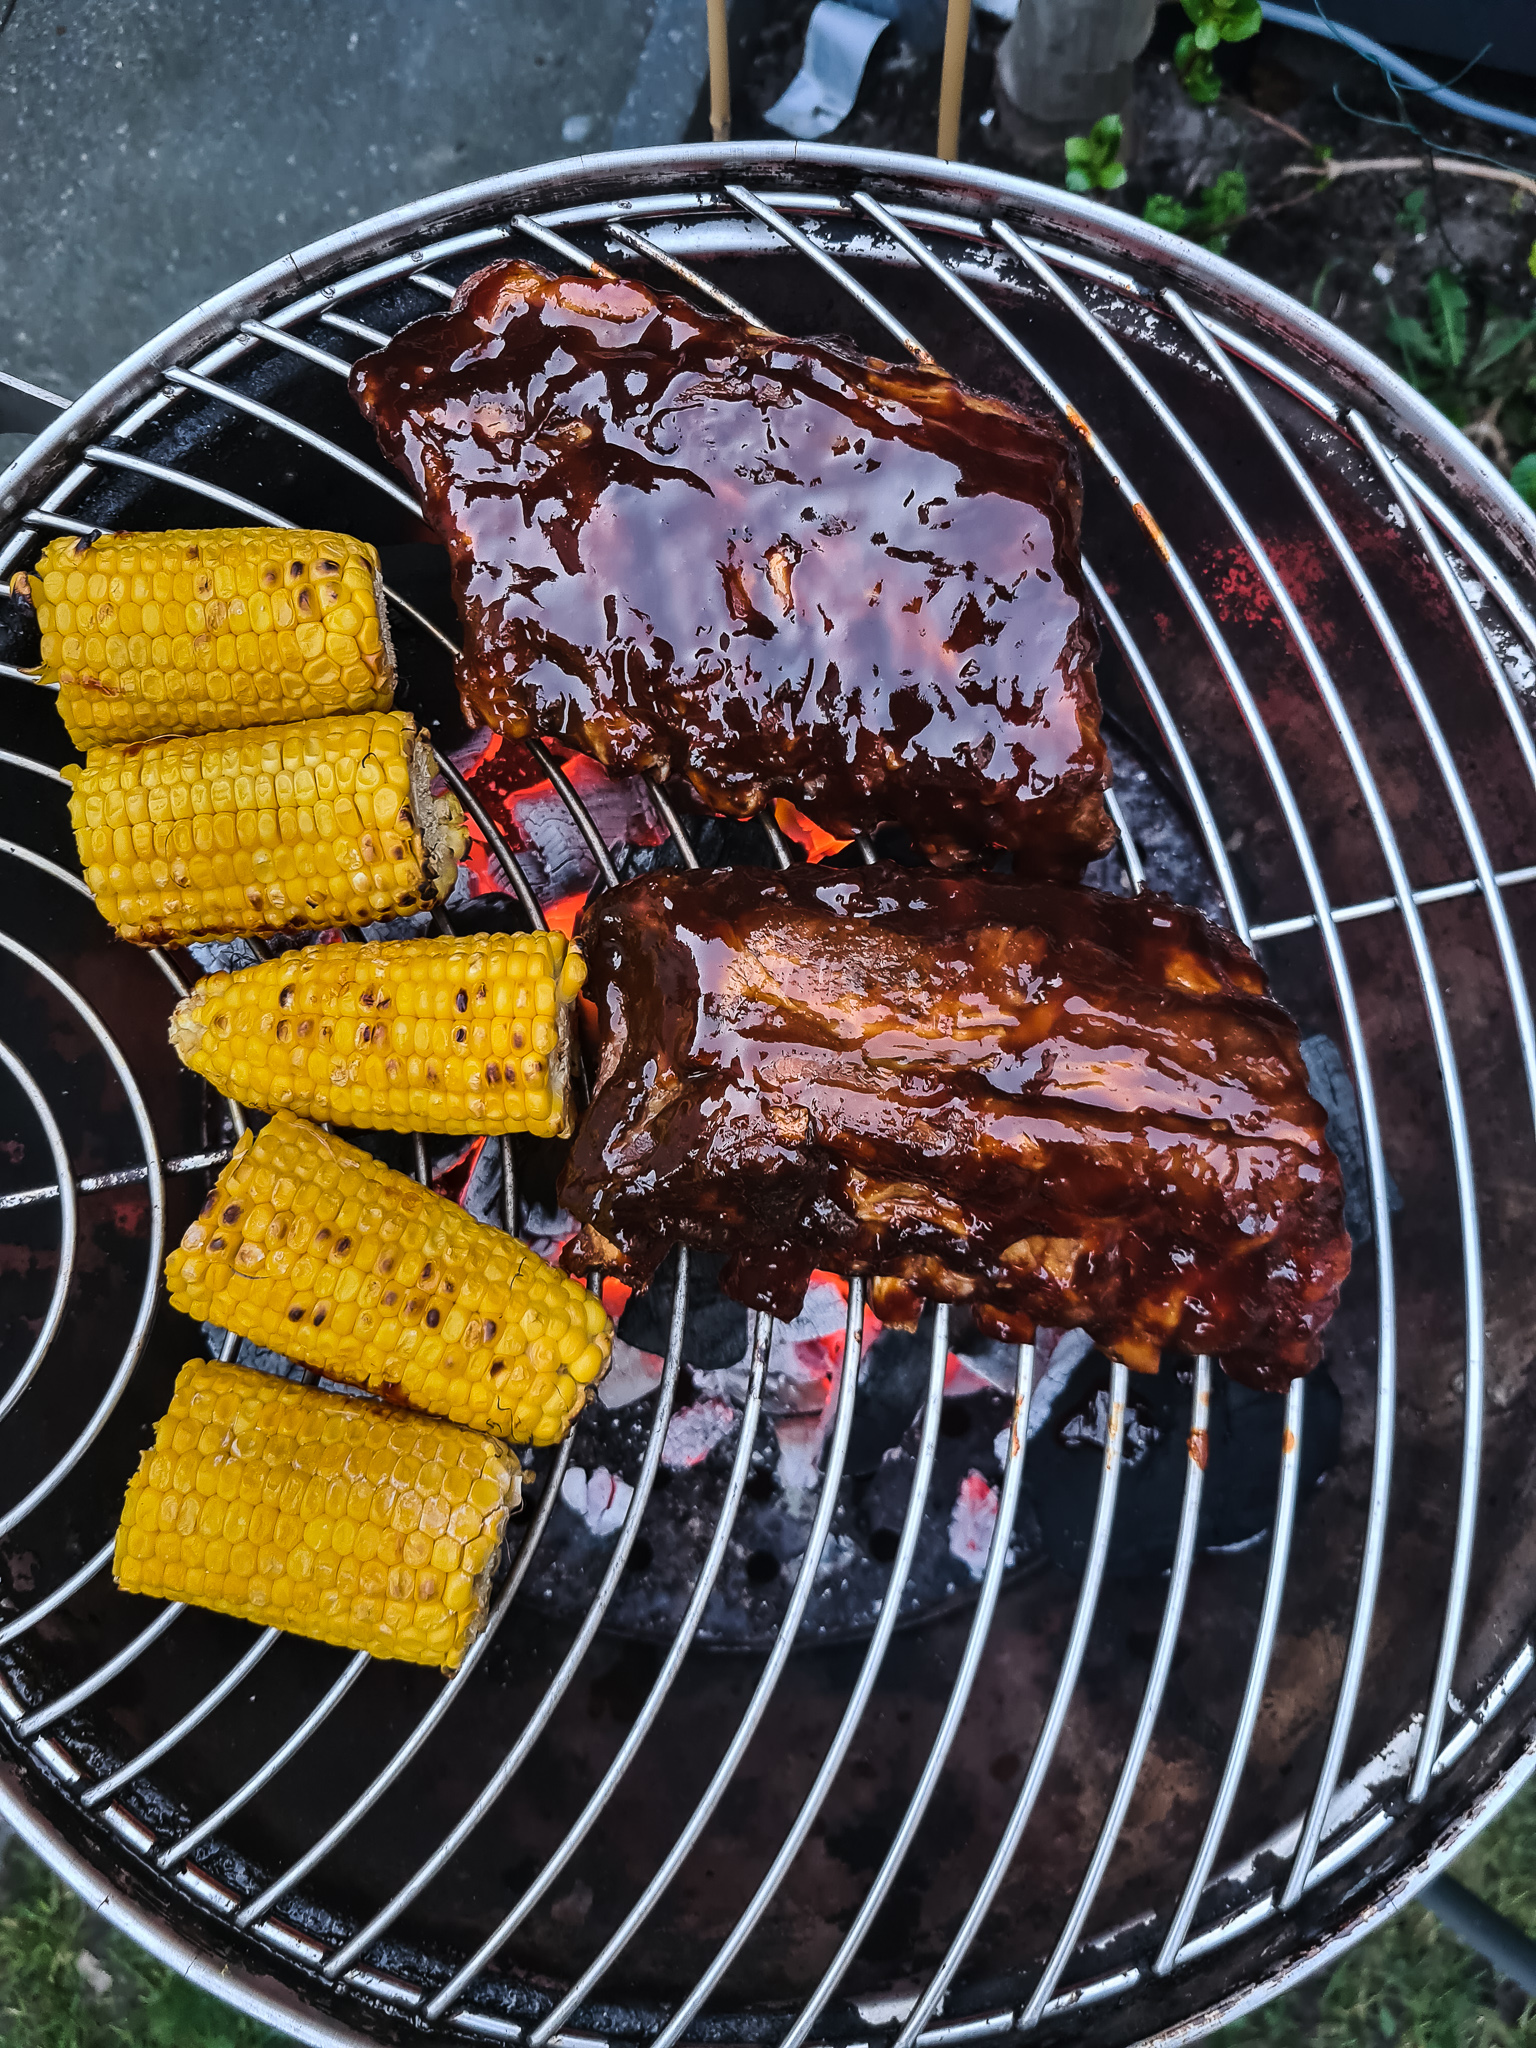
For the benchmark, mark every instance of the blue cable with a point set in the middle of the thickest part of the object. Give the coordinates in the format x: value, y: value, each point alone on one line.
x: 1399, y: 68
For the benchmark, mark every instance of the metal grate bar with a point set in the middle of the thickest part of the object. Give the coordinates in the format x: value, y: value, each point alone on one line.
x: 555, y: 1691
x: 271, y: 417
x: 559, y: 246
x: 1050, y: 1729
x: 429, y: 283
x: 1488, y: 570
x: 343, y: 325
x: 1172, y: 1951
x: 44, y: 1717
x: 496, y: 840
x: 1378, y: 906
x: 65, y: 1191
x: 149, y: 1300
x: 642, y: 246
x: 672, y: 821
x: 125, y: 1177
x: 581, y: 817
x: 193, y: 1718
x: 677, y: 1650
x: 1151, y: 1701
x: 858, y: 1698
x: 180, y: 1850
x: 1497, y: 1699
x: 831, y: 1478
x: 954, y: 1709
x: 380, y: 1783
x: 264, y: 331
x: 60, y: 1596
x: 797, y: 238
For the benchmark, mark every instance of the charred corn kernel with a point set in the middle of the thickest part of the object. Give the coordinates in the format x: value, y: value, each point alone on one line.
x: 192, y: 631
x: 361, y: 1525
x: 282, y: 828
x: 455, y: 1035
x: 310, y: 1247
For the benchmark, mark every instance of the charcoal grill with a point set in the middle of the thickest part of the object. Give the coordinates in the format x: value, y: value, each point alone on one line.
x: 1123, y: 1795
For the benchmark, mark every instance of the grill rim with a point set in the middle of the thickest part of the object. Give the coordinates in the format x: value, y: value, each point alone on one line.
x: 46, y: 462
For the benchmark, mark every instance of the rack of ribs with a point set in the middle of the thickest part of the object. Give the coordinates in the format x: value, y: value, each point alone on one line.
x: 754, y: 566
x: 1057, y: 1106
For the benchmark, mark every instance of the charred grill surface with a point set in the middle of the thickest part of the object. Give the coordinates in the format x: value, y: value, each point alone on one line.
x: 1057, y: 1106
x: 760, y: 567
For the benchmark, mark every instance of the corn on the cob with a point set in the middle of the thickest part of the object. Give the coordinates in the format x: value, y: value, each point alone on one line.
x: 454, y: 1035
x: 361, y: 1525
x: 310, y: 1247
x: 282, y: 828
x: 154, y: 633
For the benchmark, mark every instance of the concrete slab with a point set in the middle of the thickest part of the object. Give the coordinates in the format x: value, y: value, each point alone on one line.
x: 153, y: 153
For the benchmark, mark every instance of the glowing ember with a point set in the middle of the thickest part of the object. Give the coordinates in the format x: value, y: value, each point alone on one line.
x: 797, y: 826
x: 693, y: 1433
x: 972, y: 1523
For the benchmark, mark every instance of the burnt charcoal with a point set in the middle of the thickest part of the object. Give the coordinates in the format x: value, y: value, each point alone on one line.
x: 717, y: 1328
x: 1242, y: 1474
x: 892, y: 1382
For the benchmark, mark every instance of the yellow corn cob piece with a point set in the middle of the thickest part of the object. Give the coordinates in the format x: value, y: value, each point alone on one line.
x: 361, y: 1525
x: 282, y: 828
x: 454, y: 1035
x: 309, y: 1247
x: 192, y: 631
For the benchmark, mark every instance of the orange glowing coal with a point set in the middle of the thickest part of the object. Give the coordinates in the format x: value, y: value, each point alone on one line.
x: 797, y: 826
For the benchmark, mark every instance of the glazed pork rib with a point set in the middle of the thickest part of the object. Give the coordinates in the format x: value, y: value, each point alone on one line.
x: 758, y: 567
x: 1057, y: 1106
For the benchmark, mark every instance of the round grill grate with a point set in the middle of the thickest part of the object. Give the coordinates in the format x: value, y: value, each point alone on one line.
x: 1120, y: 1797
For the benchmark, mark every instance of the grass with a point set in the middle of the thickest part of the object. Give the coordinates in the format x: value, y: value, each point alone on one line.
x: 68, y: 1981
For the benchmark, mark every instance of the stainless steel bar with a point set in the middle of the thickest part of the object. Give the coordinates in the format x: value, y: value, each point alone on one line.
x: 419, y: 1158
x: 557, y: 245
x: 68, y: 1221
x: 1135, y: 872
x: 858, y: 1699
x: 581, y: 817
x: 193, y: 1718
x: 264, y: 331
x: 1373, y: 1548
x: 1498, y: 1697
x: 1351, y: 913
x: 554, y: 2022
x: 128, y: 1176
x: 644, y: 247
x: 269, y: 416
x: 351, y: 1951
x: 10, y: 760
x: 1050, y: 1731
x: 672, y: 821
x: 1178, y: 753
x: 44, y: 1717
x: 645, y: 1720
x: 1517, y: 612
x: 60, y: 1596
x: 12, y: 673
x: 155, y: 1249
x: 797, y: 238
x: 357, y: 328
x: 510, y: 1218
x: 1169, y: 1955
x: 1197, y: 1449
x: 496, y: 840
x: 954, y: 1711
x: 179, y: 1851
x: 778, y: 845
x: 438, y: 286
x: 257, y: 1909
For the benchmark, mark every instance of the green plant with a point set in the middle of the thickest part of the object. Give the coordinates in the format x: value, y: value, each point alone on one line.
x: 1413, y: 214
x: 1218, y: 208
x: 1523, y: 477
x: 1481, y: 372
x: 1093, y: 160
x: 1215, y: 21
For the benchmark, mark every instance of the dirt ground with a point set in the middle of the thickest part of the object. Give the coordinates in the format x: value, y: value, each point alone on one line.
x: 1361, y: 251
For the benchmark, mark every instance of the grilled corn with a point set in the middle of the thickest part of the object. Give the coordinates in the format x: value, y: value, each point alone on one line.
x: 454, y: 1035
x: 282, y: 828
x: 337, y: 1518
x: 192, y: 631
x: 310, y: 1247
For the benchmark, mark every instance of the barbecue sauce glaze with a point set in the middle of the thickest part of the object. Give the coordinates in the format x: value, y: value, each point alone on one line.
x: 755, y: 566
x: 1057, y: 1106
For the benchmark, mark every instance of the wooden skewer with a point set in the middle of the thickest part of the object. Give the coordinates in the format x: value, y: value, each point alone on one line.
x: 720, y: 72
x: 957, y: 35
